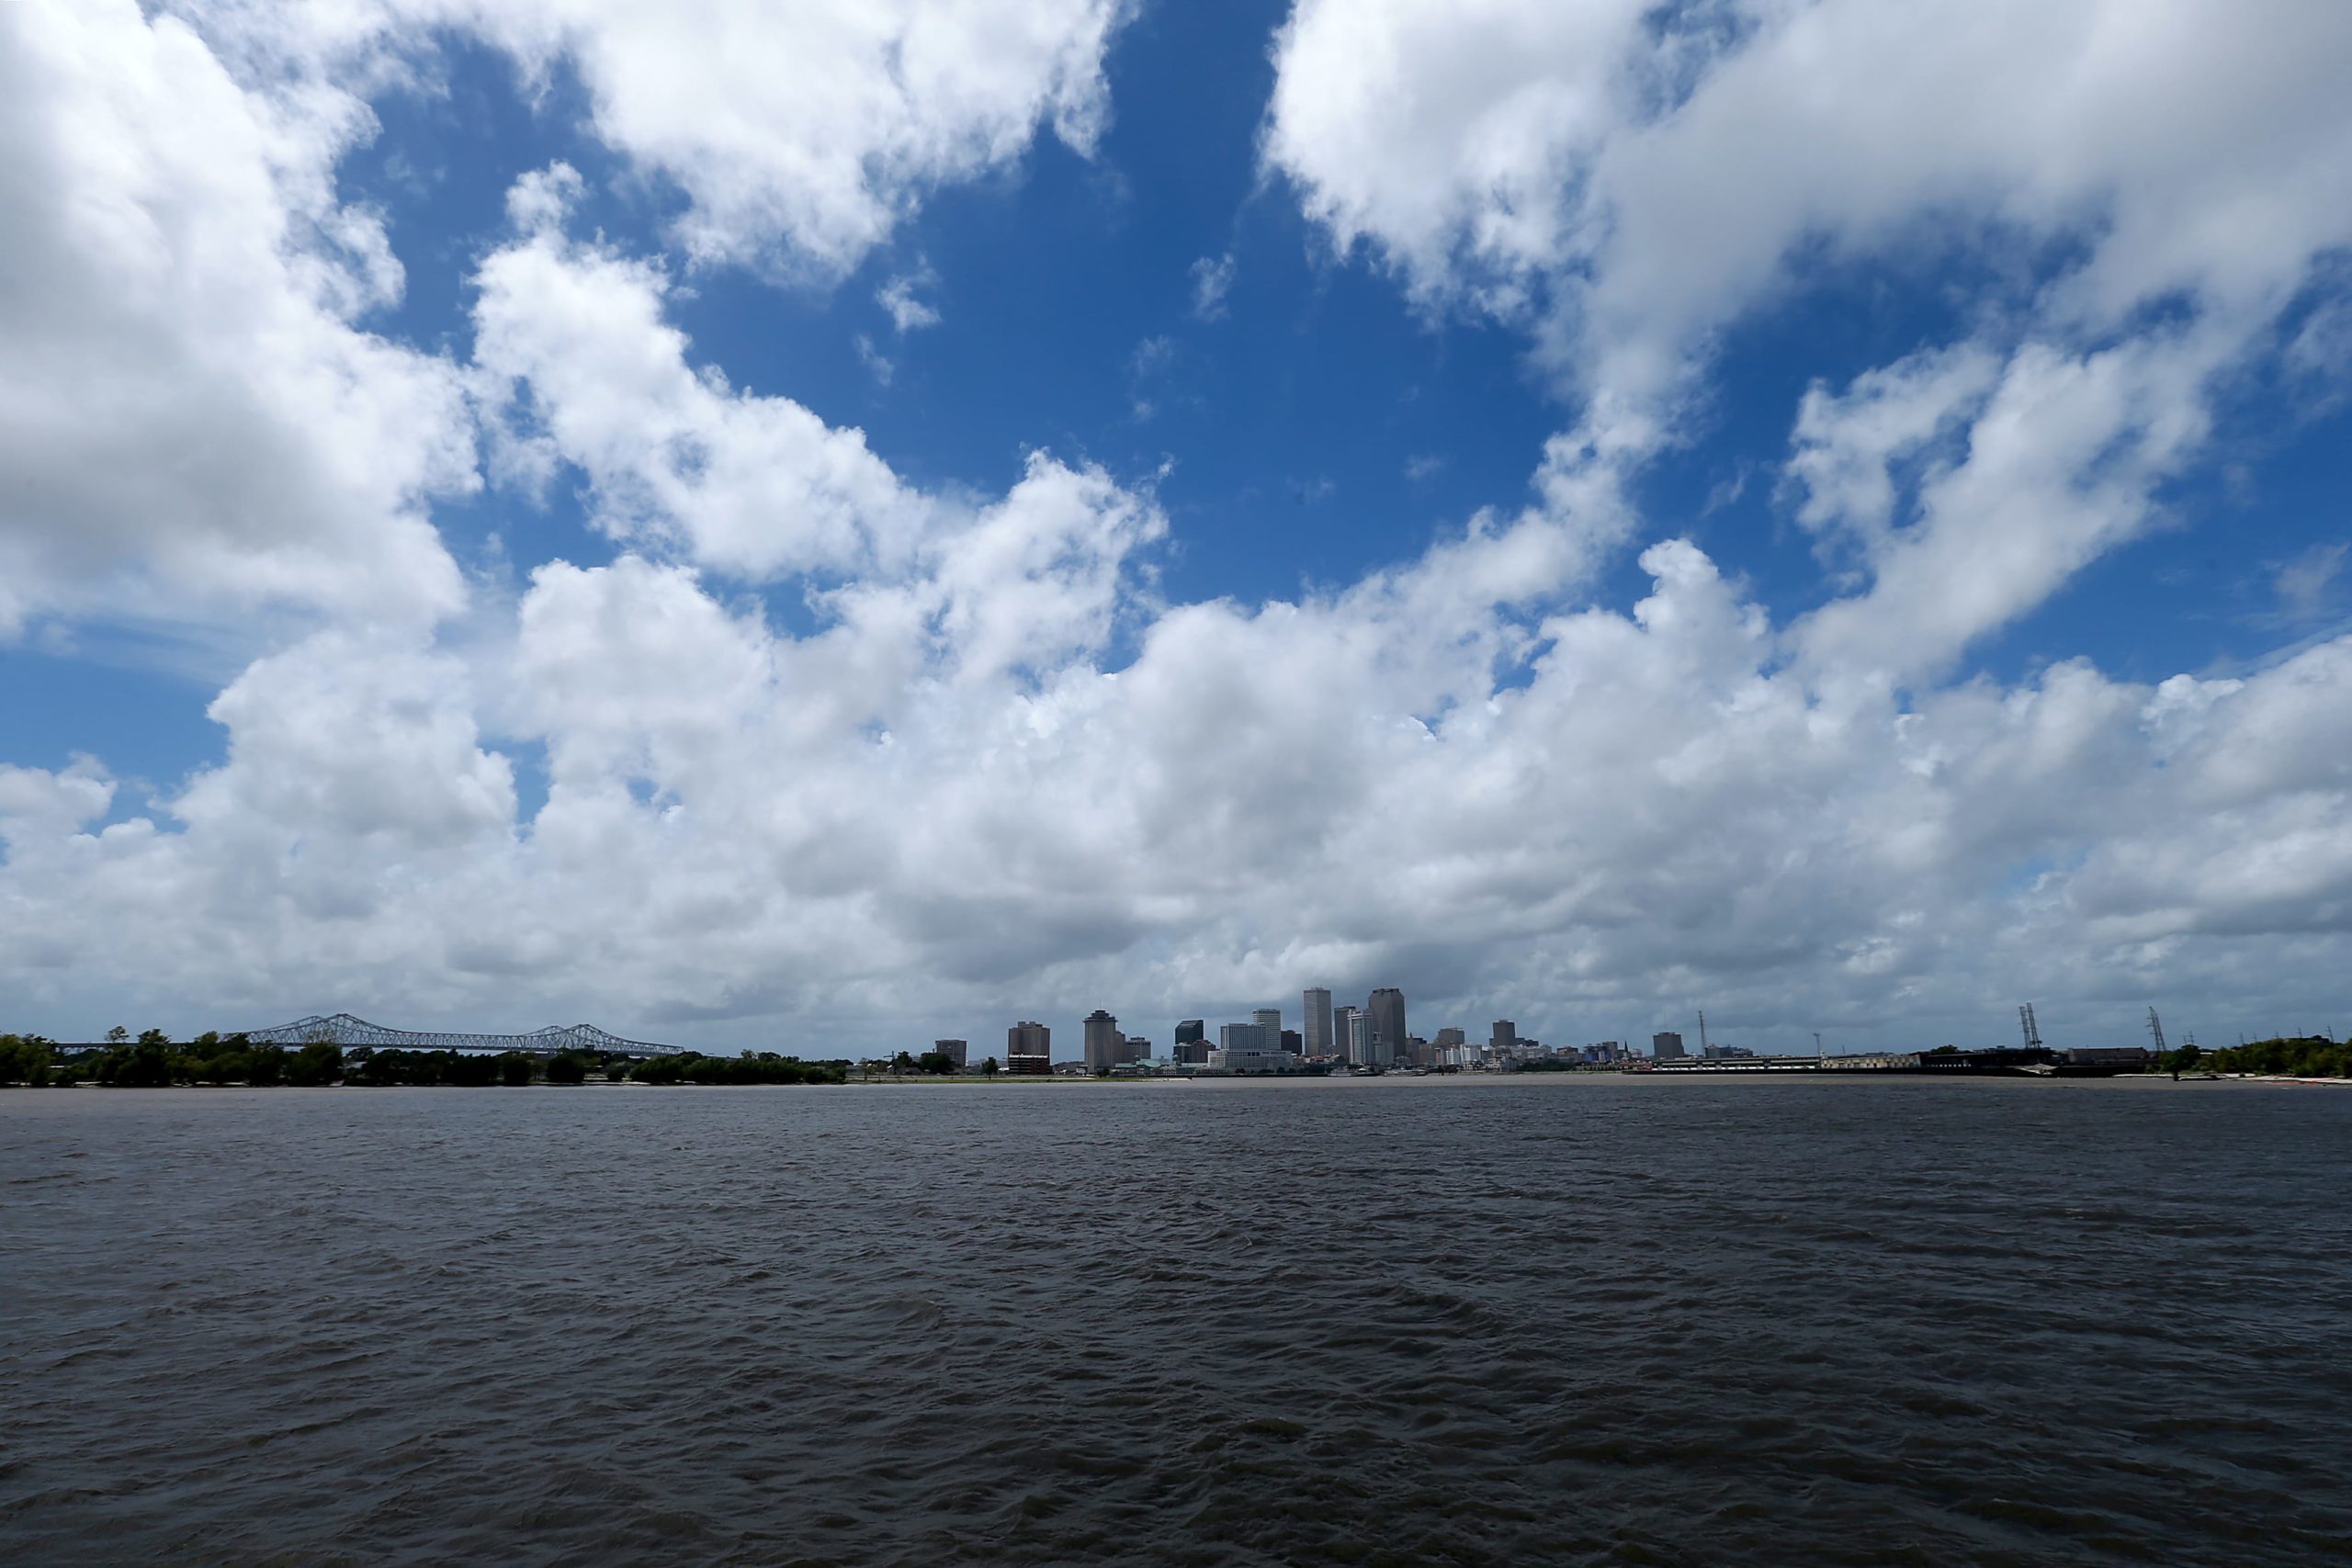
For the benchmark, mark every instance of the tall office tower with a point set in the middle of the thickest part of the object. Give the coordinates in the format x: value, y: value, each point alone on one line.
x: 1136, y: 1048
x: 1292, y: 1042
x: 1315, y: 1029
x: 1450, y: 1035
x: 954, y: 1051
x: 1359, y: 1045
x: 1103, y: 1042
x: 1192, y: 1042
x: 1270, y: 1024
x: 1029, y: 1048
x: 1342, y: 1042
x: 1665, y: 1047
x: 1388, y: 1009
x: 1191, y: 1028
x: 1505, y: 1036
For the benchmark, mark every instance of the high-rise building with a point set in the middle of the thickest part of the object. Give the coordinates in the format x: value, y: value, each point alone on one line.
x: 1136, y: 1048
x: 1103, y: 1042
x: 1191, y: 1028
x: 1192, y: 1042
x: 1315, y: 1027
x: 955, y: 1051
x: 1359, y: 1041
x: 1505, y: 1036
x: 1029, y: 1048
x: 1388, y: 1011
x: 1292, y: 1042
x: 1343, y: 1041
x: 1450, y: 1036
x: 1666, y: 1046
x: 1244, y: 1037
x: 1270, y: 1025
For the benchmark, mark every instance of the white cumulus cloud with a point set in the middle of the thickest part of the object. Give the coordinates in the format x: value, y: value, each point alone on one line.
x: 195, y: 422
x: 800, y: 134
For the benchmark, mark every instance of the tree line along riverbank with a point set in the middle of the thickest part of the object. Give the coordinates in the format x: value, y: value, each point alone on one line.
x: 155, y: 1061
x: 2294, y: 1056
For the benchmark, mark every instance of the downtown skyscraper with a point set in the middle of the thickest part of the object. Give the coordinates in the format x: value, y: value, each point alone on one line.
x: 1315, y: 1026
x: 1105, y: 1047
x: 1386, y: 1011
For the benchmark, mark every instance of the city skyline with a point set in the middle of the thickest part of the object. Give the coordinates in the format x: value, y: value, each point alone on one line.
x: 1105, y: 1046
x: 1498, y: 1036
x: 1997, y: 1032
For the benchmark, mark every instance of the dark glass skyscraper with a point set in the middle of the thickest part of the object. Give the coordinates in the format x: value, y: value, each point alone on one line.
x: 1315, y: 1028
x: 1386, y: 1011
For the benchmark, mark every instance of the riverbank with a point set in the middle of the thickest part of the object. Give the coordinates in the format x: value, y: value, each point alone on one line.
x: 1282, y: 1081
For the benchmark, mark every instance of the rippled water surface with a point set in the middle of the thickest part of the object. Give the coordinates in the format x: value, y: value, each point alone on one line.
x: 1348, y: 1323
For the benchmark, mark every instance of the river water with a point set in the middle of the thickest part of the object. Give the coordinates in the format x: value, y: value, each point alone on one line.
x: 1380, y: 1322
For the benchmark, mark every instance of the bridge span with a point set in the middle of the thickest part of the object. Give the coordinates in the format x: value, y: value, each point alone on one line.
x: 342, y: 1029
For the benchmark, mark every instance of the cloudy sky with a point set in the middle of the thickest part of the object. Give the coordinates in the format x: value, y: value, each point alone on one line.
x: 818, y: 524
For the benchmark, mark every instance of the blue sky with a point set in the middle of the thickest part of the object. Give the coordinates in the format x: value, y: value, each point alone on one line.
x: 1329, y: 626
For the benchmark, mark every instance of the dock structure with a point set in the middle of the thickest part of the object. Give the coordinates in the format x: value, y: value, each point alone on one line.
x: 2039, y: 1061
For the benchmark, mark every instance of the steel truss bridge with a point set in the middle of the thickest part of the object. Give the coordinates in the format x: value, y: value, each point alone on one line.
x: 342, y: 1029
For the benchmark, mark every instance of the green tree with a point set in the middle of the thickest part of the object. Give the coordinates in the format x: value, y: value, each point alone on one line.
x: 936, y: 1062
x: 25, y: 1059
x: 117, y: 1035
x: 566, y: 1069
x: 514, y: 1069
x: 207, y: 1060
x: 988, y: 1068
x: 317, y: 1064
x: 470, y: 1069
x: 145, y: 1064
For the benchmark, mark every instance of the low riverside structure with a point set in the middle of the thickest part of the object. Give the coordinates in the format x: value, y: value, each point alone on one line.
x: 1251, y: 1059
